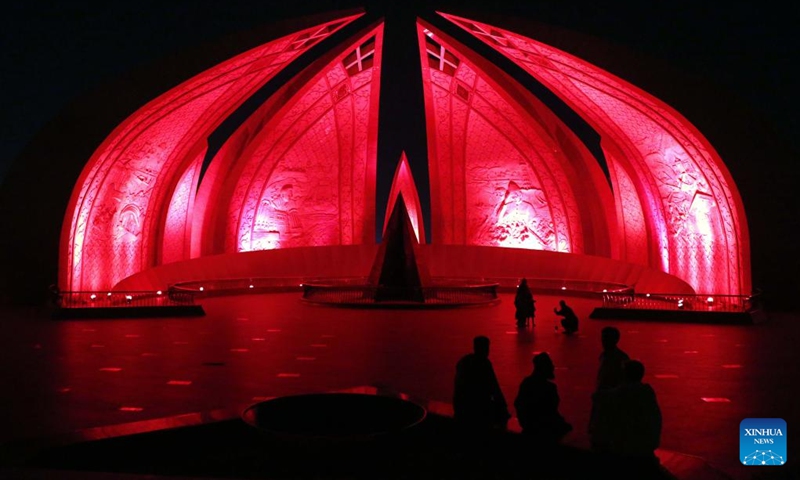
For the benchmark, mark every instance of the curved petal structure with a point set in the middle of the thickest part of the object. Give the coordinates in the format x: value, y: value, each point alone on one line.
x: 125, y: 213
x: 500, y: 173
x: 304, y: 171
x: 251, y: 156
x: 678, y: 207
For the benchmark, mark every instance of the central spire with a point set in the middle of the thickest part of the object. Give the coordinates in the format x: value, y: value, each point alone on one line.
x: 403, y: 186
x: 397, y: 271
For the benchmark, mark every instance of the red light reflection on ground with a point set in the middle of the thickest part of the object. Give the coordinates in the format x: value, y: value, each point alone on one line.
x: 130, y: 409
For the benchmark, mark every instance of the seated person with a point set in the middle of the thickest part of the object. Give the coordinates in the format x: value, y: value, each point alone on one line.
x: 477, y: 398
x: 636, y: 416
x: 570, y: 320
x: 537, y: 403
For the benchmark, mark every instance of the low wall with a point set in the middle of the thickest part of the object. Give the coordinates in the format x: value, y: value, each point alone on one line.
x: 478, y: 262
x: 301, y: 263
x: 450, y: 261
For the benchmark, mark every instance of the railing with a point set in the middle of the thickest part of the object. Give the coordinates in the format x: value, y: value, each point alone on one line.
x: 358, y: 290
x: 693, y: 302
x: 121, y: 299
x: 551, y: 286
x: 233, y: 286
x: 370, y: 295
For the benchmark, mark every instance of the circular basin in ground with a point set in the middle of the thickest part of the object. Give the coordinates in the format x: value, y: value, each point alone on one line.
x: 335, y: 417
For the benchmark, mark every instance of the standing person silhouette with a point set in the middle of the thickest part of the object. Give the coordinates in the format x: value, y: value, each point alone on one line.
x: 609, y: 376
x: 477, y: 398
x: 570, y: 320
x: 537, y: 404
x: 524, y: 303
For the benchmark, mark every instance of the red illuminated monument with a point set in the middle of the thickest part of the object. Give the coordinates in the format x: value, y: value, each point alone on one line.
x: 513, y: 189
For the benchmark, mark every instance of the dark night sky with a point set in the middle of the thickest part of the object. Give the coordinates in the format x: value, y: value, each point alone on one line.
x: 55, y: 51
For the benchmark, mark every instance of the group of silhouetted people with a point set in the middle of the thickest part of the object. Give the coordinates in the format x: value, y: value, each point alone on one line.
x: 525, y: 310
x: 625, y: 418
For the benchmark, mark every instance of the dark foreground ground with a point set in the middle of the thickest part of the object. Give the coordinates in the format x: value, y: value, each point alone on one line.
x: 66, y: 376
x: 437, y: 448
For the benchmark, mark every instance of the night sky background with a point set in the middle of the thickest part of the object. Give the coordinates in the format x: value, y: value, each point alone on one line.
x: 53, y: 52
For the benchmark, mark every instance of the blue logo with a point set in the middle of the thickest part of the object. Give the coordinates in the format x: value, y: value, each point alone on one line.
x: 762, y: 441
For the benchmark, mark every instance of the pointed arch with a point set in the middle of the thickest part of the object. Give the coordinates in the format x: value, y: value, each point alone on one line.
x: 695, y: 223
x: 115, y: 221
x: 504, y: 170
x: 301, y: 171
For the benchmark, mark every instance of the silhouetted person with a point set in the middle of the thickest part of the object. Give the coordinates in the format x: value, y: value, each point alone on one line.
x: 609, y: 376
x: 639, y: 431
x: 632, y: 416
x: 54, y: 297
x: 537, y: 403
x: 477, y: 398
x: 524, y: 304
x: 570, y: 320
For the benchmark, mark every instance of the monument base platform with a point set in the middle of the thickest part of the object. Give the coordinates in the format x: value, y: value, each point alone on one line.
x: 679, y: 316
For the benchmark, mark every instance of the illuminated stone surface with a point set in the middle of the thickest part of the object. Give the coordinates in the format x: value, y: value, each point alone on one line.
x: 504, y: 170
x: 115, y: 219
x: 693, y: 210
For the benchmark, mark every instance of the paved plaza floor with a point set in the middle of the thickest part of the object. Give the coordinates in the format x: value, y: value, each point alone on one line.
x: 60, y: 376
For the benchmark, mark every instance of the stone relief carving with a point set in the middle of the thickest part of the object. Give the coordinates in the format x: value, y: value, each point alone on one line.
x: 696, y: 216
x: 277, y: 220
x: 519, y: 219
